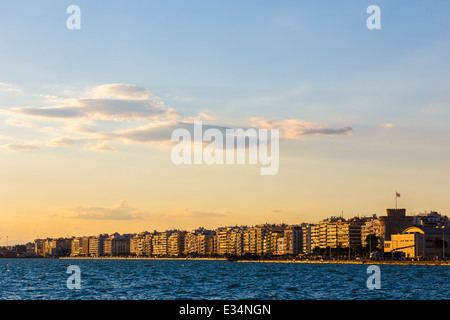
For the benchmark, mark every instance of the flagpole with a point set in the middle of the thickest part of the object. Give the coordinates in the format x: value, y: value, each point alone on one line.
x: 396, y: 200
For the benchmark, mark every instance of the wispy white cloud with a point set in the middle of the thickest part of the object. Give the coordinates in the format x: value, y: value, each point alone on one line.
x: 59, y: 112
x: 3, y: 137
x: 296, y: 128
x: 114, y: 113
x: 386, y: 125
x: 200, y: 117
x: 19, y: 123
x: 18, y: 147
x: 120, y: 91
x: 199, y: 214
x: 121, y: 211
x: 101, y: 146
x: 101, y: 109
x: 9, y: 87
x: 63, y: 141
x: 110, y: 102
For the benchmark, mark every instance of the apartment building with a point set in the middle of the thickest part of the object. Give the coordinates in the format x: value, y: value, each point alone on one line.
x: 117, y: 245
x: 141, y: 244
x: 223, y: 242
x: 371, y: 225
x: 431, y: 219
x: 293, y: 240
x: 249, y: 241
x: 55, y: 247
x: 206, y: 243
x: 160, y: 243
x: 176, y: 243
x: 191, y: 244
x: 84, y: 246
x: 199, y: 241
x: 76, y: 247
x: 236, y: 241
x: 39, y: 247
x: 97, y: 245
x: 315, y: 236
x: 270, y: 238
x: 306, y: 239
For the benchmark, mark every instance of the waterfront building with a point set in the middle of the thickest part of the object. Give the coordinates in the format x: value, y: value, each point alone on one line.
x: 235, y: 240
x: 323, y: 233
x: 220, y: 240
x: 148, y: 247
x: 191, y: 243
x: 160, y: 243
x: 394, y: 222
x: 140, y: 244
x: 271, y: 236
x: 431, y: 219
x: 199, y: 241
x: 306, y: 239
x: 351, y: 229
x: 97, y: 245
x: 206, y: 243
x: 293, y: 240
x: 76, y: 247
x: 259, y: 235
x: 229, y: 240
x: 273, y: 233
x: 250, y: 242
x: 261, y: 239
x: 84, y: 250
x: 315, y: 236
x: 371, y: 225
x: 310, y: 237
x: 332, y: 234
x: 57, y: 247
x: 338, y: 232
x: 326, y: 233
x: 176, y: 243
x: 281, y: 246
x: 420, y: 241
x: 117, y: 245
x: 47, y: 247
x: 39, y: 247
x: 30, y: 249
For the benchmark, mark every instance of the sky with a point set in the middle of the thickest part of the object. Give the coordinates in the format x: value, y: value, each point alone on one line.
x: 86, y: 115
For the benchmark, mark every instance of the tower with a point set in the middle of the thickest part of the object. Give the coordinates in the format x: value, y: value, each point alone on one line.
x: 394, y: 222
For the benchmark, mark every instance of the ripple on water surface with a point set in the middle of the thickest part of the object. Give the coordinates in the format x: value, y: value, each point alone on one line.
x: 191, y: 279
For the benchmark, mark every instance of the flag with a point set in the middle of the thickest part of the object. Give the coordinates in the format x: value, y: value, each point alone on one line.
x: 397, y: 194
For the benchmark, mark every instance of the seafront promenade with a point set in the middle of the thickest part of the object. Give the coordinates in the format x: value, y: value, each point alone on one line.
x: 312, y: 261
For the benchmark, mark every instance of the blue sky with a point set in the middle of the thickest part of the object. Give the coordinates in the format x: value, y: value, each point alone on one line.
x: 294, y: 64
x: 227, y: 51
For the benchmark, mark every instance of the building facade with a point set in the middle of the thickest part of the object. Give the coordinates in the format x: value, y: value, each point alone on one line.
x: 394, y: 222
x: 420, y: 242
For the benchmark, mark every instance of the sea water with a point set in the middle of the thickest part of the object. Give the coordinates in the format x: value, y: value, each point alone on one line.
x: 151, y: 279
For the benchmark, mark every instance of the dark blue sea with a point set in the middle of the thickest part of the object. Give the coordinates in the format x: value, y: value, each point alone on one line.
x: 132, y: 279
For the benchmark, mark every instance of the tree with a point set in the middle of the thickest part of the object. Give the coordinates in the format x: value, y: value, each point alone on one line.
x: 439, y: 244
x: 372, y: 242
x: 317, y: 251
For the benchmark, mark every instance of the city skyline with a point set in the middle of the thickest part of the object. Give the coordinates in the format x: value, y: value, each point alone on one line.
x: 86, y: 115
x: 237, y: 225
x: 415, y: 236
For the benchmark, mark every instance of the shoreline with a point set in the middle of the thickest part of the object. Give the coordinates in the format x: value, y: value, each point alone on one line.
x: 137, y: 258
x: 368, y: 262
